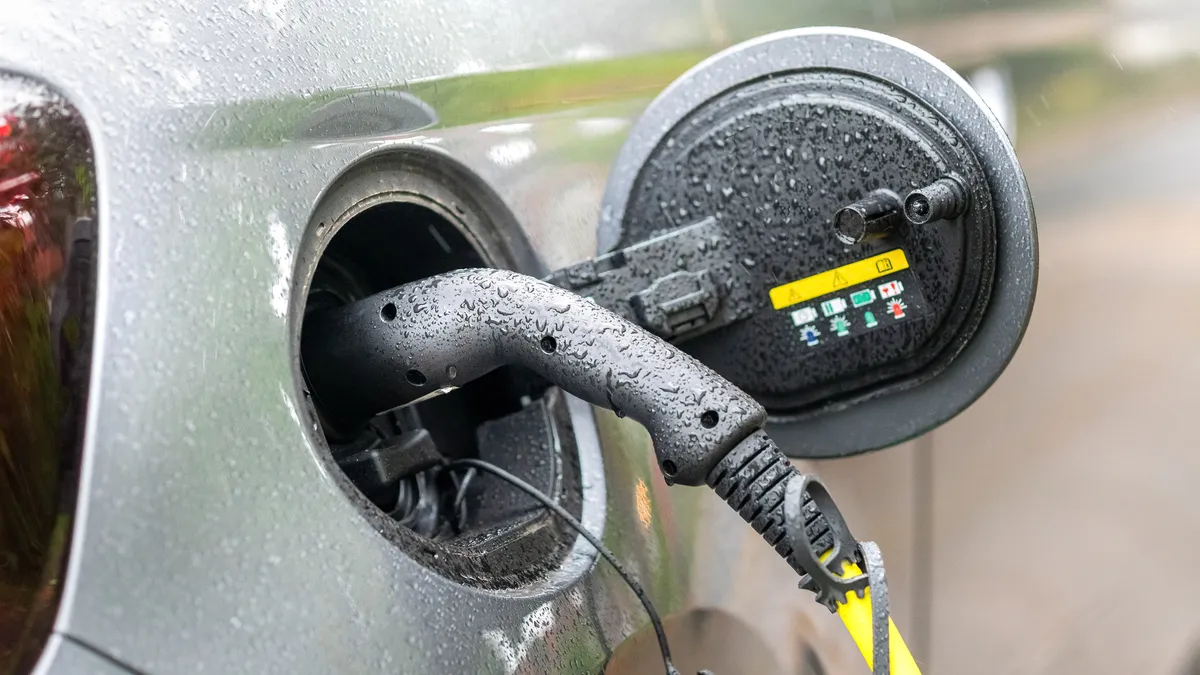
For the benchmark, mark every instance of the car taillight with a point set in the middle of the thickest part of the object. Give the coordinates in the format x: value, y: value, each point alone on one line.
x: 47, y: 292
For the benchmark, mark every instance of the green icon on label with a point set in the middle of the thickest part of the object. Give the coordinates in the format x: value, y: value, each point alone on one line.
x: 864, y: 297
x: 870, y: 319
x: 840, y: 325
x: 833, y: 306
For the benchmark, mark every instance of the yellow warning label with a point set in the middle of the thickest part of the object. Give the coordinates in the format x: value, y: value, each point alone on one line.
x: 840, y: 277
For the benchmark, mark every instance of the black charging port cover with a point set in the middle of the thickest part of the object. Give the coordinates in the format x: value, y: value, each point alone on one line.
x: 866, y: 339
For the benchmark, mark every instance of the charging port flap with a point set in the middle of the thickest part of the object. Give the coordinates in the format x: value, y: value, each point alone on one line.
x: 833, y: 221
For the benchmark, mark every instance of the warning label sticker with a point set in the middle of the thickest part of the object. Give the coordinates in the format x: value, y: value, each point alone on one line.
x: 826, y: 282
x: 858, y: 310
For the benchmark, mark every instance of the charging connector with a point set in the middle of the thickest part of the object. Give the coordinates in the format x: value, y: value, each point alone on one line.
x: 425, y: 338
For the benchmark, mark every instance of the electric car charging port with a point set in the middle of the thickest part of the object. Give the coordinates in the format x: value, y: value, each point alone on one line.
x: 398, y: 219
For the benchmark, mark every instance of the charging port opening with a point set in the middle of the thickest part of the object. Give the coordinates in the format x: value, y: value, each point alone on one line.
x: 388, y: 245
x: 470, y: 527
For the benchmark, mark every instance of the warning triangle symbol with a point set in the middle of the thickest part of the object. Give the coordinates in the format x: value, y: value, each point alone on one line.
x: 839, y: 280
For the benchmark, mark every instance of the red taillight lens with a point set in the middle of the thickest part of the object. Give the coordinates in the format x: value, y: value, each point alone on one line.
x: 47, y: 282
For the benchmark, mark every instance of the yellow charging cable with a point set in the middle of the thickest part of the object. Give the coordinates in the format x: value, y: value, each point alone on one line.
x: 856, y: 614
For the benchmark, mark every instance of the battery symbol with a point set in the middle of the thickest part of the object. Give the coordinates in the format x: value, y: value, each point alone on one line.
x: 890, y: 289
x: 864, y: 297
x: 804, y: 315
x: 834, y: 306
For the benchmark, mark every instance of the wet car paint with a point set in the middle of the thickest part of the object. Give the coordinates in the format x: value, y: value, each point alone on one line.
x: 208, y: 538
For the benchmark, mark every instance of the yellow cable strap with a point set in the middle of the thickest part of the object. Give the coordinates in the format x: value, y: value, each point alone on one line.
x: 856, y: 614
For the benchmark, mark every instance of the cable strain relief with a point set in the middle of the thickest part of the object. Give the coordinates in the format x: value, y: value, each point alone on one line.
x: 753, y: 479
x: 793, y: 512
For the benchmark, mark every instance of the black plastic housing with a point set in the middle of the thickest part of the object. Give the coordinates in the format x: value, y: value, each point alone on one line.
x: 770, y: 142
x: 773, y: 161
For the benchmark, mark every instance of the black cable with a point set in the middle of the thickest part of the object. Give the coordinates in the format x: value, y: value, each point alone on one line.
x: 578, y: 527
x: 460, y: 497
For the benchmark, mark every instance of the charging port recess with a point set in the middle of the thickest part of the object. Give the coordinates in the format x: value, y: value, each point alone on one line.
x: 396, y: 219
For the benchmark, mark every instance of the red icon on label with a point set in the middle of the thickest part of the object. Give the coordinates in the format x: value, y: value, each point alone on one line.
x: 891, y: 288
x: 896, y: 308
